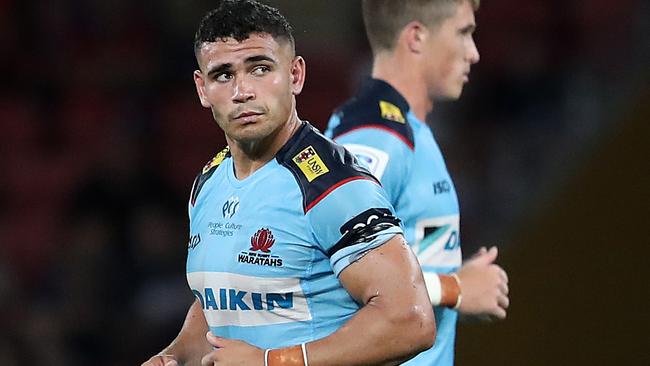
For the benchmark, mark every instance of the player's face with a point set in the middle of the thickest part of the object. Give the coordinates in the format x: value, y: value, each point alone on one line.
x: 249, y: 85
x: 450, y: 53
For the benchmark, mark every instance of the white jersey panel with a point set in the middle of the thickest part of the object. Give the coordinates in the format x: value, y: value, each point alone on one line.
x: 233, y: 299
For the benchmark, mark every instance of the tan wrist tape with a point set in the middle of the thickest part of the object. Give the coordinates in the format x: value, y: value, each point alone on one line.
x: 450, y: 290
x: 287, y: 356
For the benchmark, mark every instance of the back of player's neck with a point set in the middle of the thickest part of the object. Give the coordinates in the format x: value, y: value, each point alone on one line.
x: 408, y: 84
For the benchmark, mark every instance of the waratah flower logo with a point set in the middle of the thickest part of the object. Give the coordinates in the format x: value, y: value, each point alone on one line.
x: 262, y: 240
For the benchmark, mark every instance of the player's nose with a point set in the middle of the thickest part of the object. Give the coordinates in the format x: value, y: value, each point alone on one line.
x: 242, y: 91
x: 472, y: 53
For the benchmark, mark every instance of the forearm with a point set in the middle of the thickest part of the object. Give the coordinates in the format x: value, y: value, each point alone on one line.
x: 190, y: 344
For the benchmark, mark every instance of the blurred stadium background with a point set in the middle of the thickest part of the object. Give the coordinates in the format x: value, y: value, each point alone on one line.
x: 101, y: 135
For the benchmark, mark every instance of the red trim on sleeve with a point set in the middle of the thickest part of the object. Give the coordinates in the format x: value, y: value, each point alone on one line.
x: 333, y: 187
x: 383, y: 128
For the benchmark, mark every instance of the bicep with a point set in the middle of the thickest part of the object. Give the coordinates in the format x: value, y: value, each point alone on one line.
x: 351, y: 220
x: 389, y: 271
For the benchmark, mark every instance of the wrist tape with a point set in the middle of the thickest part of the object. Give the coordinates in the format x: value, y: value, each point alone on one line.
x: 287, y: 356
x: 444, y: 290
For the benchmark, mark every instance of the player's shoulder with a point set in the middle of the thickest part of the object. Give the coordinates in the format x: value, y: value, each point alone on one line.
x: 206, y: 173
x: 319, y: 165
x: 377, y: 105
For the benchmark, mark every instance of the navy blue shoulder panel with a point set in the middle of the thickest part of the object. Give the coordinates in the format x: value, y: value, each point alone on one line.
x: 207, y: 172
x: 318, y: 164
x: 377, y: 105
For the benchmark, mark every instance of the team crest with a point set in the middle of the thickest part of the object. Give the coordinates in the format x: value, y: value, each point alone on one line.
x: 262, y: 240
x: 216, y: 160
x: 310, y: 163
x: 260, y: 251
x: 391, y: 112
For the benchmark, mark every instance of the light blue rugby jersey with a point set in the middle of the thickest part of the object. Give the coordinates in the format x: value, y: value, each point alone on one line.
x: 378, y: 127
x: 265, y: 252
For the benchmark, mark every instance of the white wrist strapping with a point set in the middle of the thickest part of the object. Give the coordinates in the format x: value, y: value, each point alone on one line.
x: 304, y: 353
x: 432, y: 281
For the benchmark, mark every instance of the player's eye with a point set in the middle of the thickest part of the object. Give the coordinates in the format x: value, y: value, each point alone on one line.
x: 260, y: 70
x: 223, y: 77
x: 469, y: 31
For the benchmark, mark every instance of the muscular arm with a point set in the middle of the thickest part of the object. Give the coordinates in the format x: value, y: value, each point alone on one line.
x: 190, y: 344
x: 396, y: 321
x: 394, y: 324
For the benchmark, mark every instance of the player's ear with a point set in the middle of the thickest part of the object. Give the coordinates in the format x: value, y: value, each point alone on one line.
x: 414, y: 36
x: 200, y: 88
x: 298, y: 72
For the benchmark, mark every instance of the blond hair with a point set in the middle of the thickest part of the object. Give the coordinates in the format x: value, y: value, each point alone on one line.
x: 385, y: 19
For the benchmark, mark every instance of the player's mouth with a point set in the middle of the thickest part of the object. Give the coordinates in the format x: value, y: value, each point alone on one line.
x: 247, y: 117
x: 466, y: 76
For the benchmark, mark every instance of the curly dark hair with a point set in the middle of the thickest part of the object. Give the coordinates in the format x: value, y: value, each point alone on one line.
x: 239, y: 19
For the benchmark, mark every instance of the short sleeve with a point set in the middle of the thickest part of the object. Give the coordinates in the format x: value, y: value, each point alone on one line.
x: 351, y: 220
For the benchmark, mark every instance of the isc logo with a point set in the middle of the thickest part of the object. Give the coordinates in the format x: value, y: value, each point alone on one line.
x: 441, y: 187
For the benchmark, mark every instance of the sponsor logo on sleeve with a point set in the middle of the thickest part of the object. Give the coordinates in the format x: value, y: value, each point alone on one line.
x: 391, y: 112
x: 373, y: 159
x: 310, y: 164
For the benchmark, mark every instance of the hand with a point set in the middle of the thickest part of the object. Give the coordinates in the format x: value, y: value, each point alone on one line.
x: 161, y: 360
x: 231, y: 352
x: 484, y: 286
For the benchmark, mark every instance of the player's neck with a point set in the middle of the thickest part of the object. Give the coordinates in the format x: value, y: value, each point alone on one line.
x: 406, y: 78
x: 250, y: 156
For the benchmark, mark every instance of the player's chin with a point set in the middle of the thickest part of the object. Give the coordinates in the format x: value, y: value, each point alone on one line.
x: 453, y: 94
x: 251, y: 134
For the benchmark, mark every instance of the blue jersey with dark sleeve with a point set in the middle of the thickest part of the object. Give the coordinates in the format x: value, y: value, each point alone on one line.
x: 400, y: 150
x: 265, y: 252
